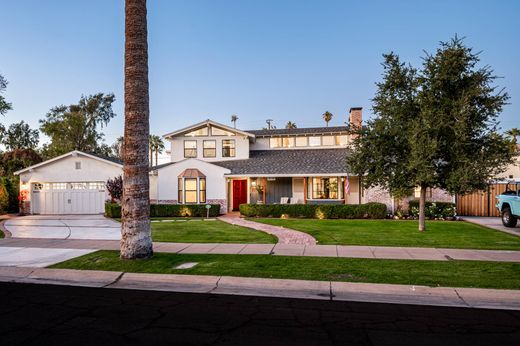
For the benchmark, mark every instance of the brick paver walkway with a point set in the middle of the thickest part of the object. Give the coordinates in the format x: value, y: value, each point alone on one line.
x: 284, y: 235
x: 347, y: 251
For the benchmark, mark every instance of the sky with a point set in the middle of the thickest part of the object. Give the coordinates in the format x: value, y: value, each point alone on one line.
x: 284, y: 60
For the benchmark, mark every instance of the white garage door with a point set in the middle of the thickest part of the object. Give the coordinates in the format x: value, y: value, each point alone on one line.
x: 68, y: 198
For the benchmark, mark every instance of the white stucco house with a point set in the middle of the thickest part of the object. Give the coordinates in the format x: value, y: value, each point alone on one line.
x: 211, y: 163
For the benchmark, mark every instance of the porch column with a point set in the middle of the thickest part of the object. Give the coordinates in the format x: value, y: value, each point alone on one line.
x: 345, y: 190
x: 304, y: 190
x: 265, y: 188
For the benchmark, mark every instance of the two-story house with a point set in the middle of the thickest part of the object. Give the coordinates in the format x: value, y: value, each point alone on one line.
x: 214, y: 163
x: 211, y: 163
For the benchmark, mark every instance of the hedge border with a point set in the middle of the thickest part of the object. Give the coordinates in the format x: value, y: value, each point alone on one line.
x: 316, y: 211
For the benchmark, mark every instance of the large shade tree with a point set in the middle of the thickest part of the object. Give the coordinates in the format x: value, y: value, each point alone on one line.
x: 136, y: 240
x: 20, y: 136
x: 77, y: 126
x: 433, y: 128
x: 4, y: 105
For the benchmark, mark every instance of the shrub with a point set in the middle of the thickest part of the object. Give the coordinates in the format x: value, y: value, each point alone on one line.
x: 115, y: 188
x: 4, y: 199
x: 319, y: 211
x: 12, y: 186
x: 433, y: 210
x: 113, y: 210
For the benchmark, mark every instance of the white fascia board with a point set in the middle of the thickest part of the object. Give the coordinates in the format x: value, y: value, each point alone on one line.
x: 207, y: 123
x: 71, y: 153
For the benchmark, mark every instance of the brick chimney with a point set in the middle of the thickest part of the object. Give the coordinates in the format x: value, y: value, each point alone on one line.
x: 354, y: 119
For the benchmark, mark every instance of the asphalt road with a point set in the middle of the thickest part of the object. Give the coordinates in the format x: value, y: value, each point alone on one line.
x: 45, y: 314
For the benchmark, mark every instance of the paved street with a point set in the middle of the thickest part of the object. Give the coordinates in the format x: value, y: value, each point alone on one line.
x: 59, y: 315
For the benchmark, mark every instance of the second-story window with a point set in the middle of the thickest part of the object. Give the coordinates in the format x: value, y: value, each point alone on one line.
x: 190, y: 149
x: 327, y: 140
x: 228, y: 148
x: 275, y: 142
x: 301, y: 141
x: 314, y: 141
x: 209, y: 149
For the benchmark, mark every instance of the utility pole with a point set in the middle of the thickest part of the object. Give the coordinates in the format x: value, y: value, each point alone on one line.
x: 269, y: 121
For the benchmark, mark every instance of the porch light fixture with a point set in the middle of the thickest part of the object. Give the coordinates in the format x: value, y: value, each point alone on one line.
x: 253, y: 183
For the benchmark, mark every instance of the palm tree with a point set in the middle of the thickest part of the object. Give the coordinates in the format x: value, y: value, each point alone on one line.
x: 327, y: 116
x: 157, y: 147
x: 136, y: 239
x: 290, y: 125
x: 234, y: 119
x: 513, y: 133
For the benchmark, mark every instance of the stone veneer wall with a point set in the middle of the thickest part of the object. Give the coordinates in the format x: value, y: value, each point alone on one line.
x: 377, y: 194
x: 221, y: 202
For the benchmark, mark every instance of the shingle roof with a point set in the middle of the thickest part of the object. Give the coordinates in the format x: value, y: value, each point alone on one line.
x: 296, y: 161
x: 300, y: 131
x: 111, y: 159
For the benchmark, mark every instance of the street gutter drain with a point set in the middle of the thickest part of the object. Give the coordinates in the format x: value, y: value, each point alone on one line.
x: 186, y: 265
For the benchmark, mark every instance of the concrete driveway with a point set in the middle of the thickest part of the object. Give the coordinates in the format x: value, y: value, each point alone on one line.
x: 492, y: 222
x: 91, y: 227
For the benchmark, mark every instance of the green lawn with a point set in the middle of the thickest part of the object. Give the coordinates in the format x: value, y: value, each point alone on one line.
x: 198, y: 231
x: 411, y: 272
x: 440, y: 234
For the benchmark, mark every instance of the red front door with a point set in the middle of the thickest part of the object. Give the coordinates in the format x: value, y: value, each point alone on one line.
x: 239, y: 193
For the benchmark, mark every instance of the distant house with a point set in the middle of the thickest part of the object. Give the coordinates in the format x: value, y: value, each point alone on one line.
x: 212, y: 163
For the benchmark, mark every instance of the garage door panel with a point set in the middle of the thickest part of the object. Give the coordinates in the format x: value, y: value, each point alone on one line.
x: 67, y: 201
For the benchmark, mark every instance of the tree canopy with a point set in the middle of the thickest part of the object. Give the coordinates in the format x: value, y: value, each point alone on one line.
x: 20, y: 136
x: 433, y: 128
x: 76, y: 127
x: 4, y: 105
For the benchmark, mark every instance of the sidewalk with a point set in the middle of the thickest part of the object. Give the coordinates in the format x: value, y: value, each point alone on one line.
x: 377, y: 252
x: 320, y: 290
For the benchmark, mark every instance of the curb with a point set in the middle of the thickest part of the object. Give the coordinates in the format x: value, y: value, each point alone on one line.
x: 281, y: 288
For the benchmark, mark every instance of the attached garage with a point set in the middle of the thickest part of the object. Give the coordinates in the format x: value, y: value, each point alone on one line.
x: 73, y: 183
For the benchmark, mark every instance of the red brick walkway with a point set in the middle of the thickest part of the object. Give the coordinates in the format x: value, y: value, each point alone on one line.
x: 284, y: 235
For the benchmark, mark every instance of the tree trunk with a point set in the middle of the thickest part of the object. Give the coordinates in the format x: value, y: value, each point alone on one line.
x: 422, y: 205
x: 157, y: 157
x: 136, y: 240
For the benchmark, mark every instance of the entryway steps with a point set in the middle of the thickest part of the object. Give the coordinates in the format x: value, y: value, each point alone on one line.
x: 345, y: 251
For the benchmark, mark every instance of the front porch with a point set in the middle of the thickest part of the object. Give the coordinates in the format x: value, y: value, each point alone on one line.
x: 293, y: 190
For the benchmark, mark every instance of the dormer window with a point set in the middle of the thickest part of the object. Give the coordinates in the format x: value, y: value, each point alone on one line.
x: 327, y: 140
x: 314, y: 141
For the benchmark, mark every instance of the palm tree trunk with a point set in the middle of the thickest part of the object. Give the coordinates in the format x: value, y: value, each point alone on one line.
x: 422, y: 206
x: 136, y: 240
x: 157, y: 157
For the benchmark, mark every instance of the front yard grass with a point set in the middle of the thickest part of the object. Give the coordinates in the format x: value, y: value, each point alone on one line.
x: 209, y: 231
x: 411, y: 272
x: 439, y: 234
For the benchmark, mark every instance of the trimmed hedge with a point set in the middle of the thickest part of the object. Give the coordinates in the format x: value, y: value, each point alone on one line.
x: 320, y: 211
x: 180, y: 210
x: 433, y: 210
x: 113, y: 210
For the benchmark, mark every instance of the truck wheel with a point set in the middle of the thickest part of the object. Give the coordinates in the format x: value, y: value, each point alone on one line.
x: 508, y: 219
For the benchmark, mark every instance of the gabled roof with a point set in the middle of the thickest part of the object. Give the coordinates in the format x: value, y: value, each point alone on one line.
x: 208, y: 123
x: 111, y: 161
x: 290, y: 162
x: 301, y: 131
